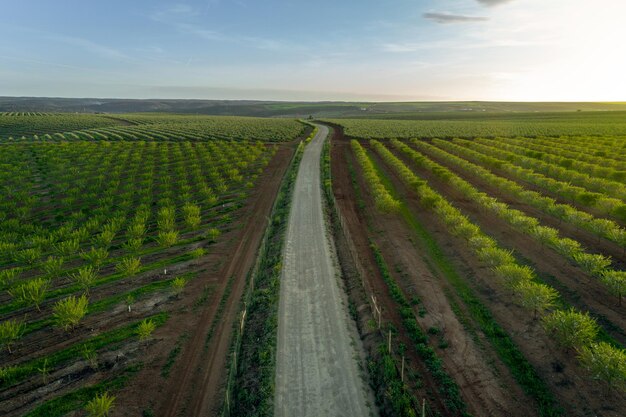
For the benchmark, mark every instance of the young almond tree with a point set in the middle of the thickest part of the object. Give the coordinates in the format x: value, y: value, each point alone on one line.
x: 85, y: 277
x: 90, y: 355
x: 166, y: 219
x: 191, y: 214
x: 145, y: 329
x: 535, y: 296
x: 616, y: 283
x: 167, y: 239
x: 495, y: 257
x: 28, y: 256
x: 178, y: 285
x: 605, y: 363
x: 593, y: 264
x: 32, y: 292
x: 70, y: 311
x: 133, y: 245
x: 571, y: 328
x: 212, y: 234
x: 67, y: 247
x: 100, y: 406
x: 514, y: 275
x: 129, y: 266
x: 105, y: 238
x: 95, y: 257
x: 9, y: 276
x: 53, y: 266
x: 10, y: 332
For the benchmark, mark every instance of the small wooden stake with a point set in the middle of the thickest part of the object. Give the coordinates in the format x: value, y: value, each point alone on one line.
x: 389, y: 343
x: 402, y: 370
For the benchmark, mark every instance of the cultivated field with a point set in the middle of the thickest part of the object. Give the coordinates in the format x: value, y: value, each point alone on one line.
x: 180, y: 264
x: 503, y: 260
x: 121, y: 251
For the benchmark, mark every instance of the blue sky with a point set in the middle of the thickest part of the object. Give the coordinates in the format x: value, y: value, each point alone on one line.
x: 323, y: 50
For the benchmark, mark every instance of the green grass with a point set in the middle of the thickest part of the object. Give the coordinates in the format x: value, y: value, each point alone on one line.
x: 75, y: 400
x: 171, y: 357
x: 24, y: 370
x: 109, y: 302
x: 220, y: 311
x: 447, y: 387
x: 71, y: 289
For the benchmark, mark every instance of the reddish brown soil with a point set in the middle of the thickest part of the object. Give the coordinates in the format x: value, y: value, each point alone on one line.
x: 196, y: 381
x: 574, y: 389
x: 373, y: 282
x: 483, y: 386
x: 579, y: 289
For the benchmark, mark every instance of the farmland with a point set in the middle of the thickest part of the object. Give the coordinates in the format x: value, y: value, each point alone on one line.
x: 113, y: 241
x: 507, y: 241
x: 144, y: 257
x: 477, y: 124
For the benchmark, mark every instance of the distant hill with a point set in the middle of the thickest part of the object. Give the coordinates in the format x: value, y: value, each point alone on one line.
x: 407, y: 110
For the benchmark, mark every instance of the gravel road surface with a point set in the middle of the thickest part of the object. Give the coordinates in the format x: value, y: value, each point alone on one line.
x: 317, y: 361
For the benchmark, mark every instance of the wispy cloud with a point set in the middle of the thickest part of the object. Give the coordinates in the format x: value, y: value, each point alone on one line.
x: 444, y: 17
x: 456, y: 45
x: 493, y: 2
x: 90, y: 46
x: 180, y: 15
x: 402, y: 47
x: 250, y: 41
x: 173, y: 12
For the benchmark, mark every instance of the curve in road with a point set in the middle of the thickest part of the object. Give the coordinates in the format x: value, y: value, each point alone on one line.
x: 316, y: 368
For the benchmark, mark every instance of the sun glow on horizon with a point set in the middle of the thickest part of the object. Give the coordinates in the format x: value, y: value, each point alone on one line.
x: 577, y: 54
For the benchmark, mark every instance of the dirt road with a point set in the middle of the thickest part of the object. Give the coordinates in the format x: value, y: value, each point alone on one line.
x: 316, y: 370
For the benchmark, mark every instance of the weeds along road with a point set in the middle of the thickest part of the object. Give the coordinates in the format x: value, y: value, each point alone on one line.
x: 316, y: 367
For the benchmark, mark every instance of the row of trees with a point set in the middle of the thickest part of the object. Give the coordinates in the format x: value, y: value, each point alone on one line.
x: 596, y: 265
x: 581, y: 179
x: 606, y: 205
x: 588, y: 154
x: 163, y: 129
x: 380, y: 128
x: 43, y: 259
x: 571, y: 328
x: 385, y: 202
x: 605, y: 147
x: 551, y: 156
x: 604, y: 228
x: 18, y: 124
x: 24, y: 244
x: 96, y: 177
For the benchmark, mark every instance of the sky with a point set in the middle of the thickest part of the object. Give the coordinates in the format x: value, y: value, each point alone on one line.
x: 352, y: 50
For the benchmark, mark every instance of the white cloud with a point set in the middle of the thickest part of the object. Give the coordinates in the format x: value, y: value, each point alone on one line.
x: 445, y: 18
x: 493, y: 2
